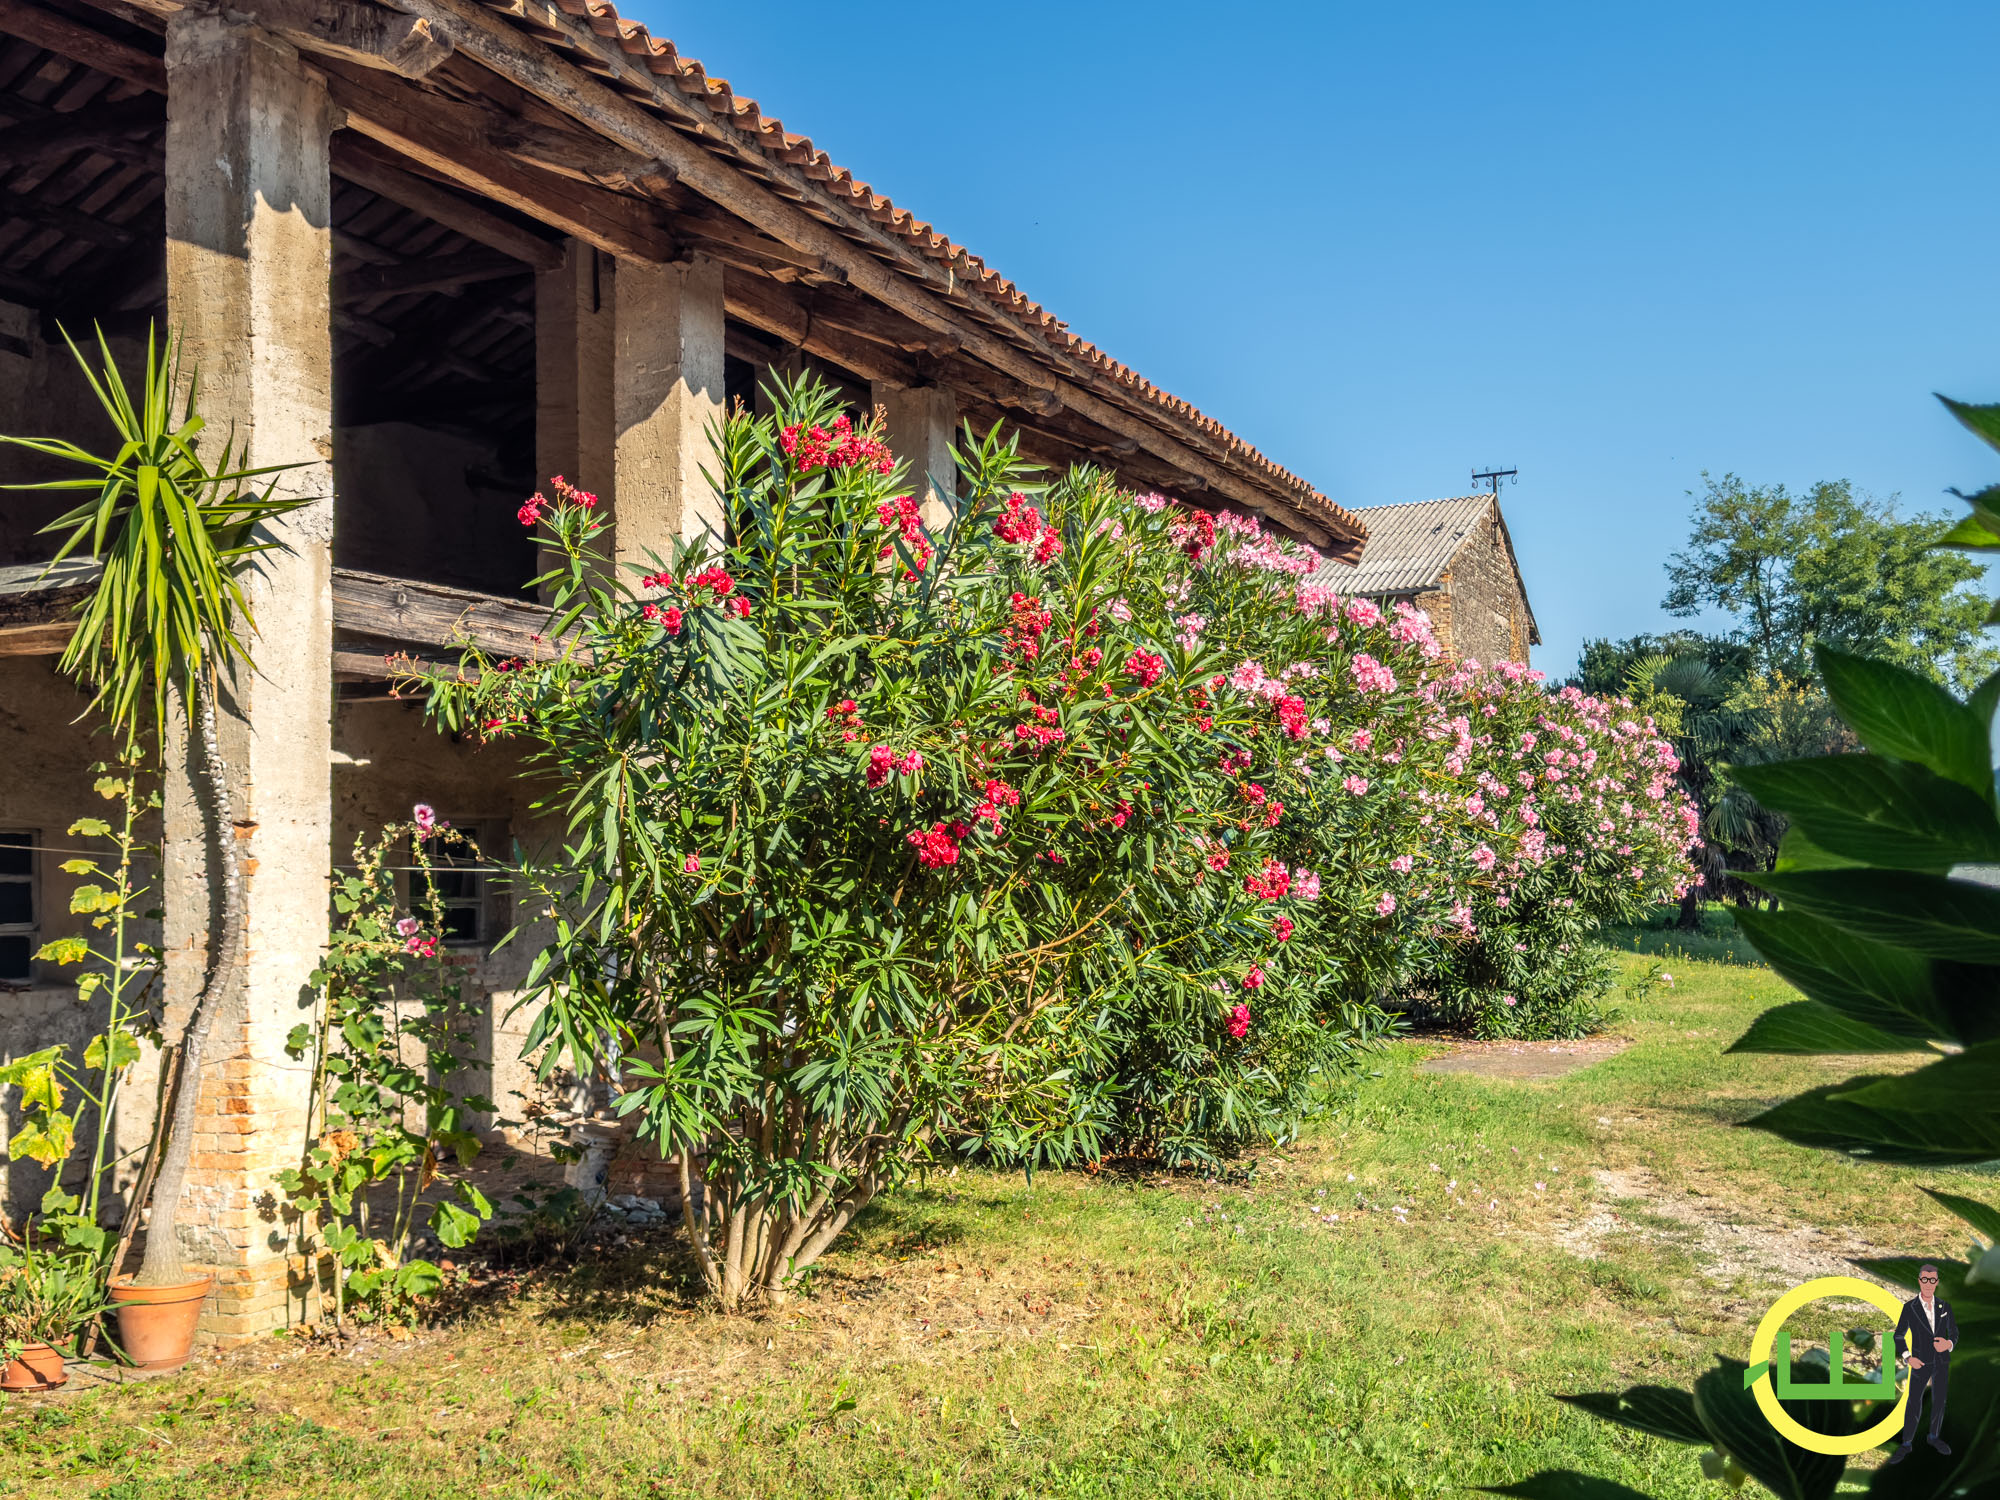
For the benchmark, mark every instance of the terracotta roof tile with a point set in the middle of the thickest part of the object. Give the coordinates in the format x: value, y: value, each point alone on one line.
x: 664, y: 61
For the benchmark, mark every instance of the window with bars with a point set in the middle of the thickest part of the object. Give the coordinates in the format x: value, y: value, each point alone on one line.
x: 17, y: 905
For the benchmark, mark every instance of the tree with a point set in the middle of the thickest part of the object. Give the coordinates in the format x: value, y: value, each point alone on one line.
x: 1830, y: 567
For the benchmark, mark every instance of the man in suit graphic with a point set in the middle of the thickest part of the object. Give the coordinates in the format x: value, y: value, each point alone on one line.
x: 1932, y: 1332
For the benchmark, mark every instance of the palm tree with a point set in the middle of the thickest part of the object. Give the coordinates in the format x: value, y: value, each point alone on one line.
x: 167, y: 620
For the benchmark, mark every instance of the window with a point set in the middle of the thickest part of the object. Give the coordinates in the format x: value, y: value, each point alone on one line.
x: 17, y: 906
x: 464, y: 894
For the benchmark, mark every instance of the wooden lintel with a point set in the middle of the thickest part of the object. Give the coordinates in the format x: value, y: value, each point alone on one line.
x: 46, y: 639
x: 430, y: 616
x: 365, y: 164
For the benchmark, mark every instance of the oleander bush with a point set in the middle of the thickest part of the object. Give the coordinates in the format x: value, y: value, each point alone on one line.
x: 1086, y: 821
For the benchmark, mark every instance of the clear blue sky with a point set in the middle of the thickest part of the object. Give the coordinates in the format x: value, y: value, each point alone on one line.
x: 1608, y: 245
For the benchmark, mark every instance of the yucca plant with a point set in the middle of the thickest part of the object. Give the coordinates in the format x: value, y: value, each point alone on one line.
x: 173, y: 529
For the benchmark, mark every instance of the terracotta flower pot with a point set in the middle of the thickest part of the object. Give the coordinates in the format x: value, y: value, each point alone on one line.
x: 156, y: 1323
x: 39, y: 1368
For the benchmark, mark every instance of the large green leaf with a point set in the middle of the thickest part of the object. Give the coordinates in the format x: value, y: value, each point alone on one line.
x: 1740, y: 1429
x: 1806, y: 1026
x: 1924, y: 913
x: 1982, y: 420
x: 1897, y: 712
x: 1874, y: 985
x: 1880, y: 811
x: 1944, y: 1115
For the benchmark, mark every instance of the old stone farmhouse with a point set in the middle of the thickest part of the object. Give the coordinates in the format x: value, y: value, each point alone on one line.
x: 1454, y: 560
x: 439, y: 251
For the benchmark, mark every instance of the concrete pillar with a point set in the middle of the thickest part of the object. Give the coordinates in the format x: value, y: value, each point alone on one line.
x: 923, y: 423
x: 667, y: 375
x: 249, y: 266
x: 573, y: 361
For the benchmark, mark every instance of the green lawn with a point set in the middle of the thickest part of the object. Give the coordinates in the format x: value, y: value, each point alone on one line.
x: 1105, y: 1335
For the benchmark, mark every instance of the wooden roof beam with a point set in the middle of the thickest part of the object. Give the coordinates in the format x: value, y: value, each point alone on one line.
x: 361, y: 161
x: 453, y: 142
x: 364, y: 34
x: 431, y: 273
x: 124, y: 123
x: 72, y: 39
x: 768, y: 305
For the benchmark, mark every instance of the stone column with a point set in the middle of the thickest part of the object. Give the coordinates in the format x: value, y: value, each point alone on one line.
x: 668, y: 378
x: 923, y: 423
x: 573, y: 359
x: 249, y: 266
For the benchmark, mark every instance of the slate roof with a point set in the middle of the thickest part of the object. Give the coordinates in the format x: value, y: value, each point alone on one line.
x: 558, y: 23
x: 1410, y: 546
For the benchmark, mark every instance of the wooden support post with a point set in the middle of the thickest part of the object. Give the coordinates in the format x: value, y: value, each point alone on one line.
x: 573, y: 357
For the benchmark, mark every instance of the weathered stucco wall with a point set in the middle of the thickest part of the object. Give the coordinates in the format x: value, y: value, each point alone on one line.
x: 388, y: 759
x: 46, y: 788
x: 43, y: 394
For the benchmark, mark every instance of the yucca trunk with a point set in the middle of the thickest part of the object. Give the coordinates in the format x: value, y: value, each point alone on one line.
x: 161, y: 1264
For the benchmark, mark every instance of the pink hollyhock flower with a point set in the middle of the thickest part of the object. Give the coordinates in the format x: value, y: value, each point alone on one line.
x: 1239, y: 1022
x: 408, y: 927
x: 423, y: 947
x: 425, y: 819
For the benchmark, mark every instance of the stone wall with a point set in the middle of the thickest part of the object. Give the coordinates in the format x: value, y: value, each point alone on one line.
x: 1480, y: 613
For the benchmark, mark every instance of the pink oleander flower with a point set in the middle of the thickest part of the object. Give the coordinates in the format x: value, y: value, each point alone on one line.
x: 1281, y: 928
x: 1120, y: 611
x: 1370, y: 675
x: 1484, y: 857
x: 1254, y: 980
x: 1363, y: 612
x: 1305, y: 885
x: 1402, y: 864
x: 1386, y: 905
x: 691, y: 865
x: 1239, y: 1021
x: 1356, y: 786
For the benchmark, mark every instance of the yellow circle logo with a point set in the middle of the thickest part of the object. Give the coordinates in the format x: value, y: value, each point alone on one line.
x: 1768, y: 1333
